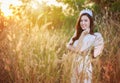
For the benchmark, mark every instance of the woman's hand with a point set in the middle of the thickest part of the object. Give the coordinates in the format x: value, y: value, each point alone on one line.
x: 70, y: 47
x: 86, y: 31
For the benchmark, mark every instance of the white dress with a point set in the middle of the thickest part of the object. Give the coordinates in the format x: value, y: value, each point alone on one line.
x: 82, y: 67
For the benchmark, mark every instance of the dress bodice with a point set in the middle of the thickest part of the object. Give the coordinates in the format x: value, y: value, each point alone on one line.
x: 95, y: 40
x: 87, y: 42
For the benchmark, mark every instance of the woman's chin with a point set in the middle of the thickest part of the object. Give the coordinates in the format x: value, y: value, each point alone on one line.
x: 83, y: 28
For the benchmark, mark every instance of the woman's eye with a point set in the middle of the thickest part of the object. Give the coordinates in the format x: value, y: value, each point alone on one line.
x: 85, y: 20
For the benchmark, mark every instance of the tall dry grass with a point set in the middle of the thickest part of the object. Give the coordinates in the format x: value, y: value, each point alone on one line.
x: 107, y: 69
x: 33, y: 54
x: 38, y: 54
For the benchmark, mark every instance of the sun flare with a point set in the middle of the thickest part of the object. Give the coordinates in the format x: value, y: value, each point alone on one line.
x: 53, y: 2
x: 5, y: 6
x: 7, y: 11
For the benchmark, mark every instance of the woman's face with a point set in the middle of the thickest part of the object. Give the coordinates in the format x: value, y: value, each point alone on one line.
x: 85, y: 22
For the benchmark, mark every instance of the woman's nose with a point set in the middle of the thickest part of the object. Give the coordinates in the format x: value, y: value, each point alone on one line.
x: 83, y: 22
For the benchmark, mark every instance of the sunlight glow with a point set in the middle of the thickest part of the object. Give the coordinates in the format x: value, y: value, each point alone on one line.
x: 53, y: 2
x: 5, y: 4
x: 5, y: 9
x: 34, y: 4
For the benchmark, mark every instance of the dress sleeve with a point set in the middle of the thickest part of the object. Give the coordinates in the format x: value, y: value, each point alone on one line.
x: 98, y: 44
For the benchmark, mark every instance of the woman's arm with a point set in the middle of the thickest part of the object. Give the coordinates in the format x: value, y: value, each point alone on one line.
x: 98, y: 45
x: 73, y: 49
x: 78, y: 47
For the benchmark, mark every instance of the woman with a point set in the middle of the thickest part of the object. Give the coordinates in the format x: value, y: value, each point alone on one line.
x: 82, y: 43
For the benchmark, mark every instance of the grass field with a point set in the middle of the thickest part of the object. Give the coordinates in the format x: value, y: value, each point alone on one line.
x: 33, y: 54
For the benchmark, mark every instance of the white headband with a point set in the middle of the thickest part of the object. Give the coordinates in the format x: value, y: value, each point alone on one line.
x: 88, y: 11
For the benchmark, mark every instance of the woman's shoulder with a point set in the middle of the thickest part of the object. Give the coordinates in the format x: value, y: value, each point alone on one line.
x: 98, y: 34
x: 89, y: 37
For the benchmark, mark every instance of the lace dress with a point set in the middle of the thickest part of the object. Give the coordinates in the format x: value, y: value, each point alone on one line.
x: 82, y: 67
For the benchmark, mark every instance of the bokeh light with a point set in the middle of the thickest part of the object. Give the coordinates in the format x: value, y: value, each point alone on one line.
x: 5, y: 6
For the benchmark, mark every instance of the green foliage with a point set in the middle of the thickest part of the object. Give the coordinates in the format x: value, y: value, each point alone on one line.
x: 108, y: 5
x: 75, y: 4
x: 96, y: 9
x: 115, y: 7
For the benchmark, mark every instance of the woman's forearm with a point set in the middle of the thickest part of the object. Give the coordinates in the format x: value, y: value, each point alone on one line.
x: 70, y: 47
x: 74, y: 49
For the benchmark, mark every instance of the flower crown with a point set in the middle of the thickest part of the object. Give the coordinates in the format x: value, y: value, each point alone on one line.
x: 88, y: 11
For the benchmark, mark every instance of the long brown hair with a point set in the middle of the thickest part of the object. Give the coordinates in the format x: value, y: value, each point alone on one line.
x: 79, y: 29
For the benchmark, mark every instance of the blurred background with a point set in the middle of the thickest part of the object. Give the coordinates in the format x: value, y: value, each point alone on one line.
x: 34, y: 33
